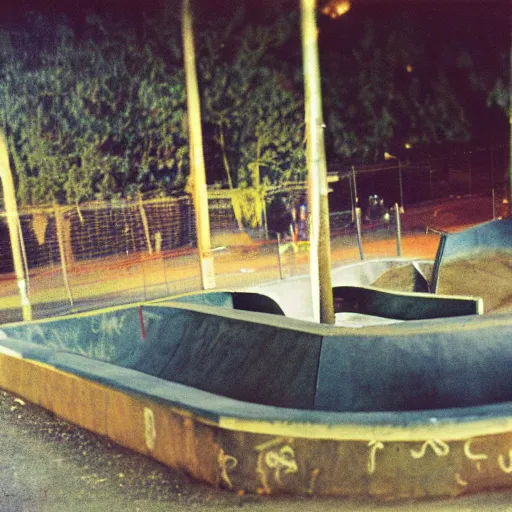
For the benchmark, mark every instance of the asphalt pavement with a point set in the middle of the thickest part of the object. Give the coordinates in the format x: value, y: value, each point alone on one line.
x: 49, y: 465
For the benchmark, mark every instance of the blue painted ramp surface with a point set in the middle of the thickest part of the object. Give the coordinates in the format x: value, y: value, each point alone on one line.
x: 111, y: 335
x: 245, y: 301
x: 235, y: 355
x: 454, y: 362
x: 401, y: 305
x: 283, y: 362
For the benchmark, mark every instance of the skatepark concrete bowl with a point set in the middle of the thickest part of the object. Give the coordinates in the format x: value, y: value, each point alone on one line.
x: 225, y: 386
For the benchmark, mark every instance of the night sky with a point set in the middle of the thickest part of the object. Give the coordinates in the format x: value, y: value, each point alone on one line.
x: 470, y: 20
x: 483, y: 26
x: 456, y: 12
x: 473, y: 22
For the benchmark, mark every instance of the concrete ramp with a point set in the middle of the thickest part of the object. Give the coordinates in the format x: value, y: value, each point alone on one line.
x: 283, y: 362
x: 488, y: 238
x: 245, y: 301
x: 318, y: 410
x: 235, y: 354
x: 402, y: 305
x: 417, y: 365
x: 113, y: 335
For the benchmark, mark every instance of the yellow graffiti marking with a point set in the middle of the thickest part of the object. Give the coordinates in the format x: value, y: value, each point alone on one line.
x: 312, y: 482
x: 506, y: 468
x: 374, y: 446
x: 273, y: 442
x: 459, y: 480
x: 263, y: 478
x: 277, y: 460
x: 283, y: 459
x: 473, y: 456
x: 226, y: 463
x: 149, y: 428
x: 440, y: 448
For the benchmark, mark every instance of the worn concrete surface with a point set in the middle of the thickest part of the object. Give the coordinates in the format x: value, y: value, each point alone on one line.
x: 49, y: 465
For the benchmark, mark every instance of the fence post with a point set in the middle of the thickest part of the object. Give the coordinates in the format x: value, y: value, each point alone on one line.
x: 359, y: 236
x: 62, y: 251
x: 470, y: 184
x: 398, y: 231
x: 356, y: 199
x: 265, y: 220
x: 492, y: 167
x: 279, y: 255
x: 145, y: 224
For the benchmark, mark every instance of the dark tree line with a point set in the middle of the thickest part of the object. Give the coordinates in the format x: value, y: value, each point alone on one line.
x: 100, y: 112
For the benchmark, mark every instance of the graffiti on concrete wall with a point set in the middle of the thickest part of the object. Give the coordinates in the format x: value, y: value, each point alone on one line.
x: 312, y: 466
x: 105, y: 336
x: 502, y: 461
x: 275, y: 458
x: 227, y: 463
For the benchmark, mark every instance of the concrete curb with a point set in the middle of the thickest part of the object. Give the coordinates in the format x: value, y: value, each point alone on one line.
x: 391, y: 455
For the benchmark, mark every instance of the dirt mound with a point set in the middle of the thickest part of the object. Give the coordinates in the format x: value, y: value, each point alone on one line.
x: 486, y: 275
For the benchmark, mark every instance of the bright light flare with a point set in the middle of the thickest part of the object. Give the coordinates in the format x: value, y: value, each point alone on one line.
x: 336, y: 8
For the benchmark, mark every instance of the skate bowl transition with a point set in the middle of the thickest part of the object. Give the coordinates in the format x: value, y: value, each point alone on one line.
x: 413, y: 399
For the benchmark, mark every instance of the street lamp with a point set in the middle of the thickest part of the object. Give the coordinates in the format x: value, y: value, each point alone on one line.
x: 388, y: 156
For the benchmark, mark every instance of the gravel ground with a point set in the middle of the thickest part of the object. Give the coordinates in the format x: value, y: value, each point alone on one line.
x: 50, y: 465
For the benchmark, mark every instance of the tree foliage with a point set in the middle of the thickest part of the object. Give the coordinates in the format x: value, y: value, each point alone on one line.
x: 91, y: 117
x: 384, y: 93
x: 103, y: 113
x: 257, y: 119
x: 500, y: 94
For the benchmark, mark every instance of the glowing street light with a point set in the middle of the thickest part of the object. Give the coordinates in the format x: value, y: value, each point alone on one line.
x: 336, y: 8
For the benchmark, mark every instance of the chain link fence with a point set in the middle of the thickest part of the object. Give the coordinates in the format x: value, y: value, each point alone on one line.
x: 103, y: 253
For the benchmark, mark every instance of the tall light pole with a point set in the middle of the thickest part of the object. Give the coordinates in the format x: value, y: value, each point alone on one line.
x: 388, y: 156
x: 13, y: 223
x: 197, y: 169
x: 510, y: 122
x: 319, y: 233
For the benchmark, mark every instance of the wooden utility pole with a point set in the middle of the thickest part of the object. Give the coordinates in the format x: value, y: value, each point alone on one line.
x: 59, y: 228
x: 197, y: 169
x: 13, y: 223
x: 510, y: 123
x: 319, y: 232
